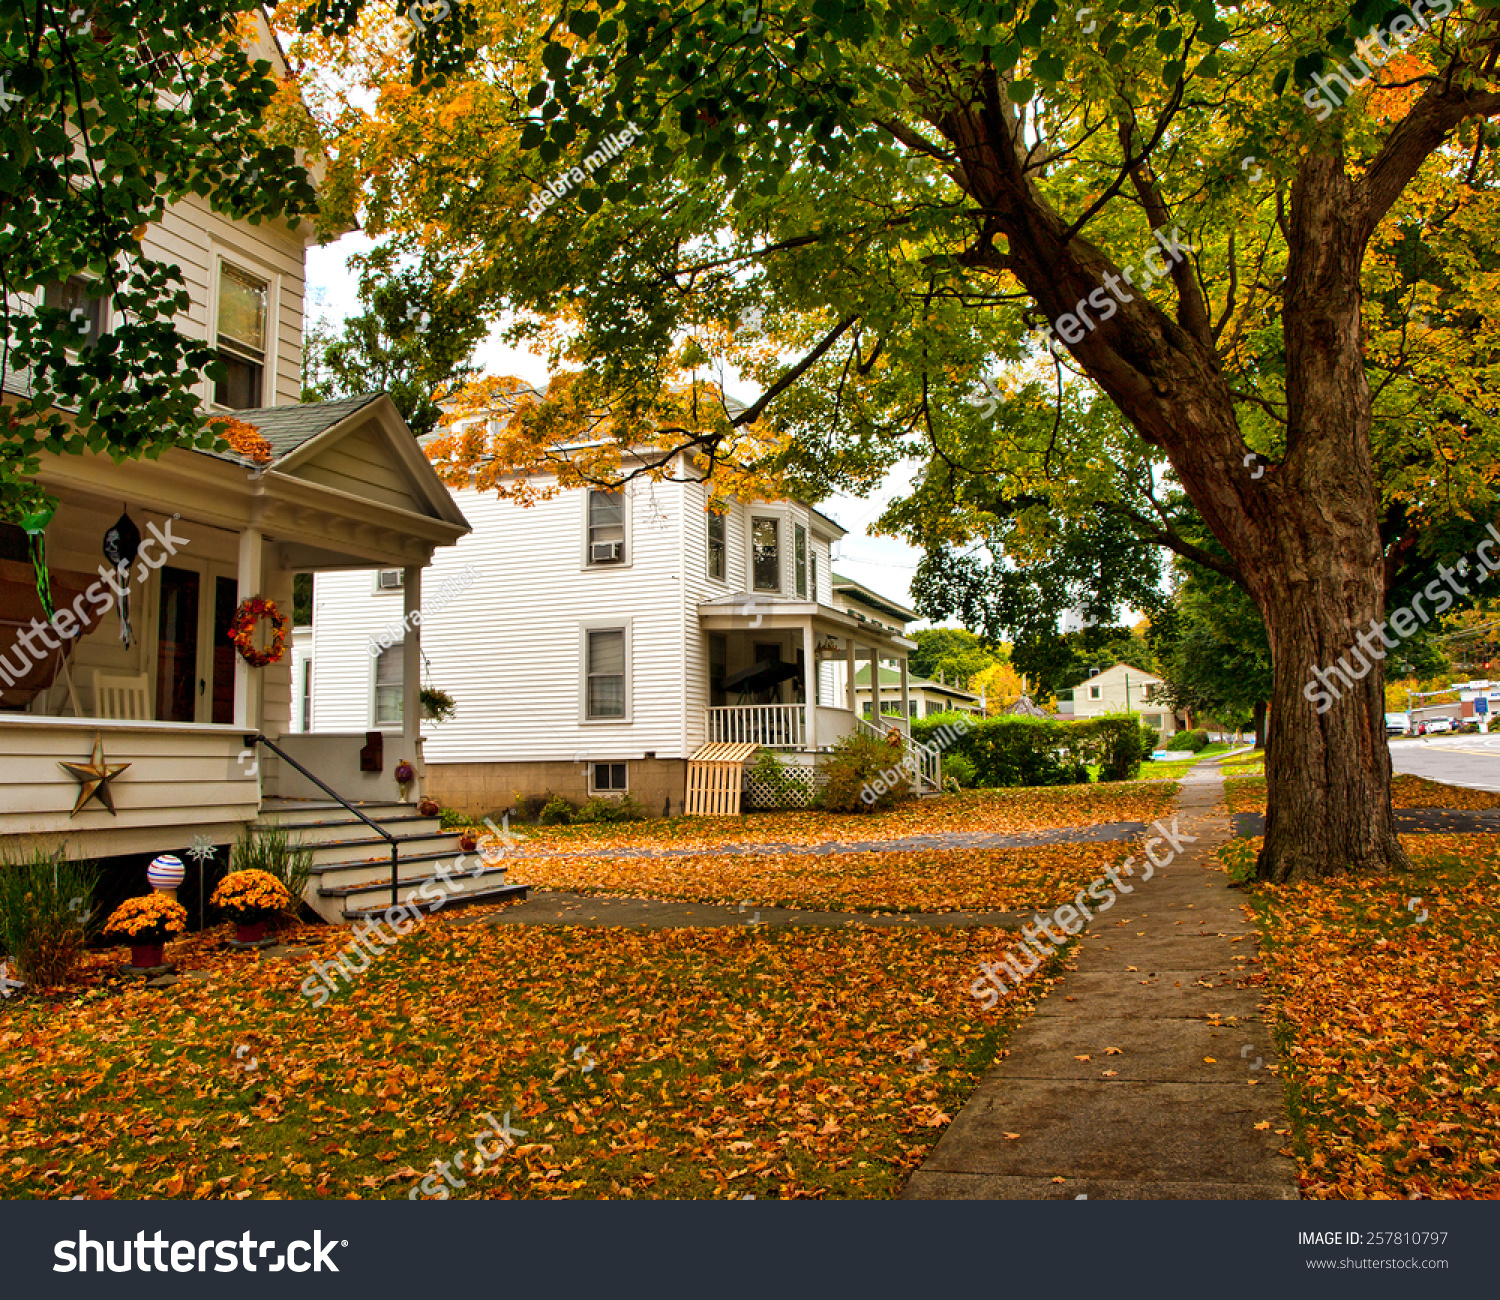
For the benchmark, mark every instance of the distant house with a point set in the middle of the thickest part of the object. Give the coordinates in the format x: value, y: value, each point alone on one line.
x: 1117, y: 689
x: 595, y: 641
x: 924, y: 697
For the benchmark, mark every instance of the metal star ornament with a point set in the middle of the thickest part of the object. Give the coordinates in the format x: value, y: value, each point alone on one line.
x: 93, y: 779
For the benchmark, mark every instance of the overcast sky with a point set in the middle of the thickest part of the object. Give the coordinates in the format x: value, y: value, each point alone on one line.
x: 883, y: 564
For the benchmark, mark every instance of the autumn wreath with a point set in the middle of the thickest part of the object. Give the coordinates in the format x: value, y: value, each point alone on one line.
x: 242, y: 631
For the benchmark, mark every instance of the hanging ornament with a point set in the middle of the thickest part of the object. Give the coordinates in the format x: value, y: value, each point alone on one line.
x: 36, y: 536
x: 121, y: 545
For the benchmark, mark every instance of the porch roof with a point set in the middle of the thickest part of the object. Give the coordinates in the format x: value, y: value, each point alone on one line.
x: 347, y: 486
x: 746, y: 611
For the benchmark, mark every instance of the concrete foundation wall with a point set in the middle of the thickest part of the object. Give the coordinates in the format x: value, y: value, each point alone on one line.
x: 478, y: 789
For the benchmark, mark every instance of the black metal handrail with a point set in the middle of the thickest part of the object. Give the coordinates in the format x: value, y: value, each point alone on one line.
x: 258, y: 739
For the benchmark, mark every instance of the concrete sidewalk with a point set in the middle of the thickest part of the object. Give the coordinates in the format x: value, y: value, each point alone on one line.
x: 1142, y: 1074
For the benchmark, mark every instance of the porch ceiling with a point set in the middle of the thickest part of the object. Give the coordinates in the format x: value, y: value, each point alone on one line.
x: 746, y: 613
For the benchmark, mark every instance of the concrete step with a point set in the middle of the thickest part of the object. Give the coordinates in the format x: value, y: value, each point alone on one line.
x: 372, y: 897
x: 371, y: 848
x: 304, y: 812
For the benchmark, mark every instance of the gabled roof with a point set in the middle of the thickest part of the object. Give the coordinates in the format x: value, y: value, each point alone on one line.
x: 892, y: 677
x: 288, y: 427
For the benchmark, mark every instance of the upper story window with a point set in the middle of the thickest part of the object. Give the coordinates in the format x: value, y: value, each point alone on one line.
x: 72, y: 296
x: 812, y: 571
x: 388, y: 686
x: 765, y: 553
x: 799, y: 558
x: 606, y: 527
x: 241, y: 334
x: 1095, y: 692
x: 717, y: 549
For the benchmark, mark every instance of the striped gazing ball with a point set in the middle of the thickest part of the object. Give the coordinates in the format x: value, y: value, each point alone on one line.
x: 165, y: 872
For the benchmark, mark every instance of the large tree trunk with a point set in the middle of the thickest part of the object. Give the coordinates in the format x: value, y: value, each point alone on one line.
x: 1304, y: 534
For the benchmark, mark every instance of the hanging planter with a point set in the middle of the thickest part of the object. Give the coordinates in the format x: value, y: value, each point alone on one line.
x: 438, y: 706
x: 242, y: 631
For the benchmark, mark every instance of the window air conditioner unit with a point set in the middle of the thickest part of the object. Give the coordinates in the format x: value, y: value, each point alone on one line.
x: 606, y: 552
x: 390, y: 579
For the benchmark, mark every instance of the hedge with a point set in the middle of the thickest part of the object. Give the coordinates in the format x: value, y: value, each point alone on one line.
x: 1010, y: 751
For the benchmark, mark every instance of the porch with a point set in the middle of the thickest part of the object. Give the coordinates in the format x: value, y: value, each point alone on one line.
x: 782, y: 676
x: 134, y: 669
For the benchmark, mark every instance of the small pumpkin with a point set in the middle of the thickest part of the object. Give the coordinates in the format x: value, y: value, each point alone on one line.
x: 467, y: 842
x: 429, y: 808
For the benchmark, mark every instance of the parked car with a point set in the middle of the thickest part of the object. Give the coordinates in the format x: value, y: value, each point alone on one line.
x: 1438, y: 726
x: 1397, y: 724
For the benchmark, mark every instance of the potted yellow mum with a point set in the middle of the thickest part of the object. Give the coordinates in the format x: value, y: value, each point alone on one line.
x: 251, y: 898
x: 146, y: 923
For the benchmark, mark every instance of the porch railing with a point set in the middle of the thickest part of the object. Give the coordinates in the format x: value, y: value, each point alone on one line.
x: 257, y: 739
x: 778, y: 726
x: 923, y: 761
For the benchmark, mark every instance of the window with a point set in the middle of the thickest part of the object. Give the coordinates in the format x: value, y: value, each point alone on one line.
x: 605, y: 673
x: 307, y: 695
x: 388, y: 687
x: 607, y: 778
x: 72, y: 295
x: 241, y: 339
x: 1095, y: 692
x: 1152, y: 720
x: 716, y: 548
x: 606, y: 527
x: 812, y: 571
x: 765, y: 550
x: 390, y: 580
x: 799, y: 558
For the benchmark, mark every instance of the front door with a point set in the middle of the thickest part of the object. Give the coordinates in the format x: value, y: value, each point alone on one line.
x: 177, y: 647
x: 221, y: 672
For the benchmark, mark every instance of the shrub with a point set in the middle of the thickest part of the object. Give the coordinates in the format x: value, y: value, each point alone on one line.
x: 770, y: 774
x: 610, y: 811
x: 528, y: 807
x: 1010, y: 751
x: 151, y: 918
x: 273, y: 851
x: 862, y: 774
x: 959, y: 769
x: 1189, y: 740
x: 44, y: 909
x: 556, y: 812
x: 250, y: 896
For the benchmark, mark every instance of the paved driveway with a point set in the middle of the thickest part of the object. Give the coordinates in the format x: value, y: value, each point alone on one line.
x: 1472, y: 761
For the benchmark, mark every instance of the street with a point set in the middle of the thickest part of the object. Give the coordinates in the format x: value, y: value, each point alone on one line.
x: 1472, y: 761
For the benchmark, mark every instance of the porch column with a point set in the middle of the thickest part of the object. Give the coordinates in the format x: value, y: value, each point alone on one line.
x: 810, y: 685
x: 850, y: 667
x: 411, y: 676
x: 905, y: 693
x: 874, y: 683
x: 248, y: 680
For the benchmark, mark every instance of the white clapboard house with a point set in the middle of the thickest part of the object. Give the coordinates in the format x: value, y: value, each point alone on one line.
x: 597, y: 642
x: 175, y: 707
